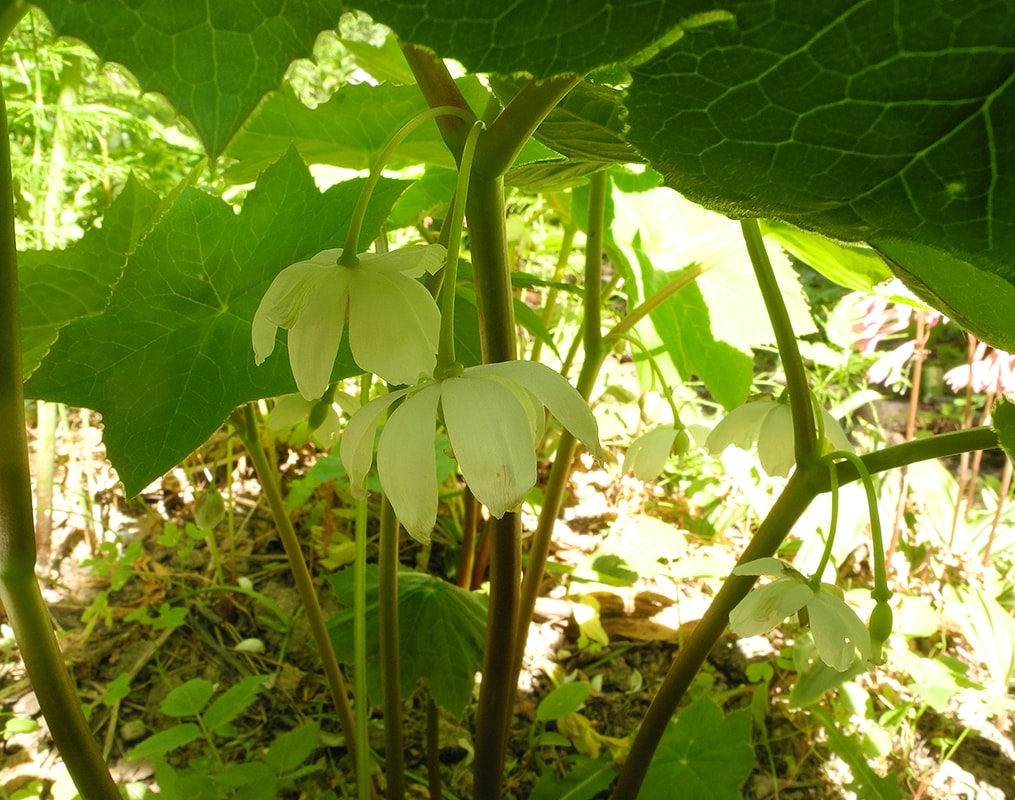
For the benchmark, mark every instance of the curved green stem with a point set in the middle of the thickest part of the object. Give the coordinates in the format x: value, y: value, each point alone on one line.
x: 447, y: 364
x: 356, y: 221
x: 806, y: 445
x: 19, y: 589
x: 247, y: 428
x: 359, y: 606
x: 391, y: 675
x: 799, y: 492
x: 826, y: 554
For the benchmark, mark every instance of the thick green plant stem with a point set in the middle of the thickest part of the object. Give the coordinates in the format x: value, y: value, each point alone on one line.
x: 19, y: 590
x: 391, y: 680
x: 800, y: 490
x: 497, y: 691
x: 246, y: 425
x: 806, y: 446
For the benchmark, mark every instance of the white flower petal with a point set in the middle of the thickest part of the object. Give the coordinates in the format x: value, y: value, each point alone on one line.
x: 775, y: 441
x: 491, y: 436
x: 412, y: 261
x: 768, y: 605
x: 647, y: 455
x: 394, y: 326
x: 740, y: 427
x: 357, y: 447
x: 407, y: 464
x: 554, y: 392
x: 837, y: 630
x: 835, y: 437
x: 290, y: 409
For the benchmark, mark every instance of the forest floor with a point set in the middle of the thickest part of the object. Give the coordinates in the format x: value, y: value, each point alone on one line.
x: 128, y: 598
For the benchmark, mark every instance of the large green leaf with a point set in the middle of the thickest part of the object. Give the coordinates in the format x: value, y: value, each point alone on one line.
x: 441, y: 634
x: 170, y: 356
x: 56, y: 288
x: 710, y: 328
x: 870, y: 121
x: 350, y: 130
x: 707, y: 755
x: 538, y: 37
x: 213, y: 59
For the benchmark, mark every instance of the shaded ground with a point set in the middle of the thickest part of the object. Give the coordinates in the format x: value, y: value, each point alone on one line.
x: 171, y: 616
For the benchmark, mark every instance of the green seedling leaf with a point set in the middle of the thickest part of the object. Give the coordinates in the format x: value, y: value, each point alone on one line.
x: 350, y: 130
x: 58, y: 287
x: 563, y: 700
x: 16, y: 725
x: 116, y: 690
x: 587, y: 779
x: 170, y: 356
x: 209, y: 509
x: 189, y: 699
x: 213, y: 61
x: 233, y: 702
x: 292, y: 748
x: 898, y: 142
x: 165, y: 741
x: 707, y: 755
x: 253, y: 776
x: 540, y: 37
x: 442, y: 630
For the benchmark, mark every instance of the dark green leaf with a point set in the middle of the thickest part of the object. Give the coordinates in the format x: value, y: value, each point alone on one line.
x: 563, y: 700
x: 55, y: 288
x: 706, y: 755
x: 980, y: 301
x: 253, y: 774
x: 866, y: 121
x: 171, y: 356
x: 213, y: 61
x: 233, y: 702
x: 539, y: 37
x: 188, y: 699
x: 441, y: 635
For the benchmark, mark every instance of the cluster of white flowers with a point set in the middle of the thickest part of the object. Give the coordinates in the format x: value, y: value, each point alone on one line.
x: 494, y: 414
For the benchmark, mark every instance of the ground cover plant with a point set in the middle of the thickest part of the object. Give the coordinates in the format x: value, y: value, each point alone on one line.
x: 468, y: 270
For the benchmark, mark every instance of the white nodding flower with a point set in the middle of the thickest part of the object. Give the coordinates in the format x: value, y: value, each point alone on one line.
x: 837, y: 630
x: 647, y: 455
x: 394, y: 323
x: 494, y: 415
x: 769, y: 423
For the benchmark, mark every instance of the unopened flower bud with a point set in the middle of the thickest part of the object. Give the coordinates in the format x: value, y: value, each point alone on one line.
x: 880, y: 627
x: 209, y: 509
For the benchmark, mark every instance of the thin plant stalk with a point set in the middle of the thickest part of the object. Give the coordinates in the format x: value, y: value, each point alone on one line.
x: 246, y: 426
x: 19, y: 589
x: 391, y: 680
x: 967, y: 422
x: 359, y: 606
